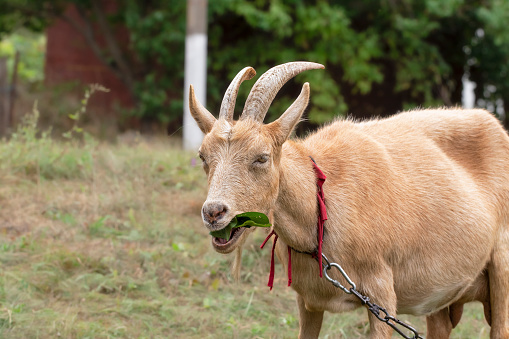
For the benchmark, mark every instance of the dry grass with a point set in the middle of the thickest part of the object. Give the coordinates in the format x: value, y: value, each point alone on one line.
x: 105, y: 241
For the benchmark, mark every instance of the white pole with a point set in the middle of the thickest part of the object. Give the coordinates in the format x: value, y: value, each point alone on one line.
x: 467, y: 94
x: 195, y: 68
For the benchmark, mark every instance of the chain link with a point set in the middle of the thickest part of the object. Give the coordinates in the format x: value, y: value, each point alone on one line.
x: 373, y: 308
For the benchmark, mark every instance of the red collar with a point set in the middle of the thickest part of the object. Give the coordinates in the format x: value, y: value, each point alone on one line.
x: 322, y: 216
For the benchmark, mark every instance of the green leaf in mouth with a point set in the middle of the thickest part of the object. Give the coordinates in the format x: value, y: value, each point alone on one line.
x: 247, y: 219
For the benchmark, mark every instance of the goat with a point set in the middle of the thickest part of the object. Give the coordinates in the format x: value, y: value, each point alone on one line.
x: 417, y: 203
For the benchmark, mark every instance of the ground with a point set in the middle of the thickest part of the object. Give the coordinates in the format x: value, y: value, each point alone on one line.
x: 104, y: 240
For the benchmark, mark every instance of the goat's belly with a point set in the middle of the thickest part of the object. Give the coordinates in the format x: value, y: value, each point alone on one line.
x: 430, y: 280
x: 427, y: 291
x: 434, y: 301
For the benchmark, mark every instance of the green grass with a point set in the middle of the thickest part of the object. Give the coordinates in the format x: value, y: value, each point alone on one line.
x: 105, y: 241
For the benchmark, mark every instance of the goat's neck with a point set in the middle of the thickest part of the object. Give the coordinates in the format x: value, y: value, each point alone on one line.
x: 295, y: 212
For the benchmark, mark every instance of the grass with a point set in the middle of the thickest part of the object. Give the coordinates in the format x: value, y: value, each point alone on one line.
x: 105, y: 241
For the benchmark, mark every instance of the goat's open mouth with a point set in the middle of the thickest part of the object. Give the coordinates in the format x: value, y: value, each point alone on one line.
x: 223, y: 244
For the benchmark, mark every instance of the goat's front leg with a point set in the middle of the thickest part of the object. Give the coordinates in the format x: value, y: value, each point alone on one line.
x: 381, y: 292
x: 439, y: 324
x: 310, y: 322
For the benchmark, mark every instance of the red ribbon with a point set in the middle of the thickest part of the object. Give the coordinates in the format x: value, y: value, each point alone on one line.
x: 322, y: 216
x: 322, y: 211
x: 271, y: 274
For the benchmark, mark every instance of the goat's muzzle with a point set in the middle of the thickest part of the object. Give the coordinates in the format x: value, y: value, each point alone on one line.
x: 213, y: 214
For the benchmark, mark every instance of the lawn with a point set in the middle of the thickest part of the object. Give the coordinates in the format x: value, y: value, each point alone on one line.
x: 105, y: 240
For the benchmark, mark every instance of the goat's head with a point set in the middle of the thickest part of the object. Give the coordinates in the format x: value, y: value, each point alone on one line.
x: 241, y: 158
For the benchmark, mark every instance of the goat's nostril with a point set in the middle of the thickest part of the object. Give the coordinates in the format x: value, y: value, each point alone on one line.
x: 218, y: 213
x: 214, y: 211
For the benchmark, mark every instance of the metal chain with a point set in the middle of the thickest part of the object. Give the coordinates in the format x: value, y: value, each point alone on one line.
x: 373, y: 308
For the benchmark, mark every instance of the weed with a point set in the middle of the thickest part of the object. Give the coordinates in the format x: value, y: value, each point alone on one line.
x: 76, y: 129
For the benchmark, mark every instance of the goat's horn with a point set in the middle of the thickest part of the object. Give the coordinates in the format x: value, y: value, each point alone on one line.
x: 266, y: 88
x: 203, y: 117
x: 228, y: 103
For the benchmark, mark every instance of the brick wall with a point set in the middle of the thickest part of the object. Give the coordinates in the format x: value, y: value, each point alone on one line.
x: 69, y: 58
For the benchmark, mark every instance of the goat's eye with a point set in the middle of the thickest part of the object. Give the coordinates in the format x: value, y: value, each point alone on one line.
x: 261, y: 159
x: 202, y: 158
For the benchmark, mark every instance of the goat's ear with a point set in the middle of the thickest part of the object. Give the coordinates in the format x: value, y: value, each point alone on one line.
x: 204, y: 118
x: 282, y: 127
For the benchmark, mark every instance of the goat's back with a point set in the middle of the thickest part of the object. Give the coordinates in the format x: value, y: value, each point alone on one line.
x: 425, y: 188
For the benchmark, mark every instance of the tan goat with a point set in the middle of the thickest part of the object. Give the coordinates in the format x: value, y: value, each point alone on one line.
x: 417, y: 204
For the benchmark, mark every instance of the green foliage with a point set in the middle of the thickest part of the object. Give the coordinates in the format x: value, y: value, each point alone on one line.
x: 488, y: 63
x: 380, y: 56
x: 31, y: 48
x: 23, y: 13
x: 272, y: 32
x: 157, y: 35
x: 247, y: 219
x: 411, y: 52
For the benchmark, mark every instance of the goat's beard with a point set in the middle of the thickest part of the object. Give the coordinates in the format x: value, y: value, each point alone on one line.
x: 237, y: 263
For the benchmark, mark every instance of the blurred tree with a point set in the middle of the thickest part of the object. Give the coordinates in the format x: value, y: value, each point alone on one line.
x: 150, y: 65
x: 31, y: 46
x: 22, y: 13
x: 381, y: 56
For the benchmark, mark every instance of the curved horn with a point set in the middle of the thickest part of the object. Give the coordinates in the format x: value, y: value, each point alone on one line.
x: 269, y: 84
x: 228, y: 103
x: 204, y: 118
